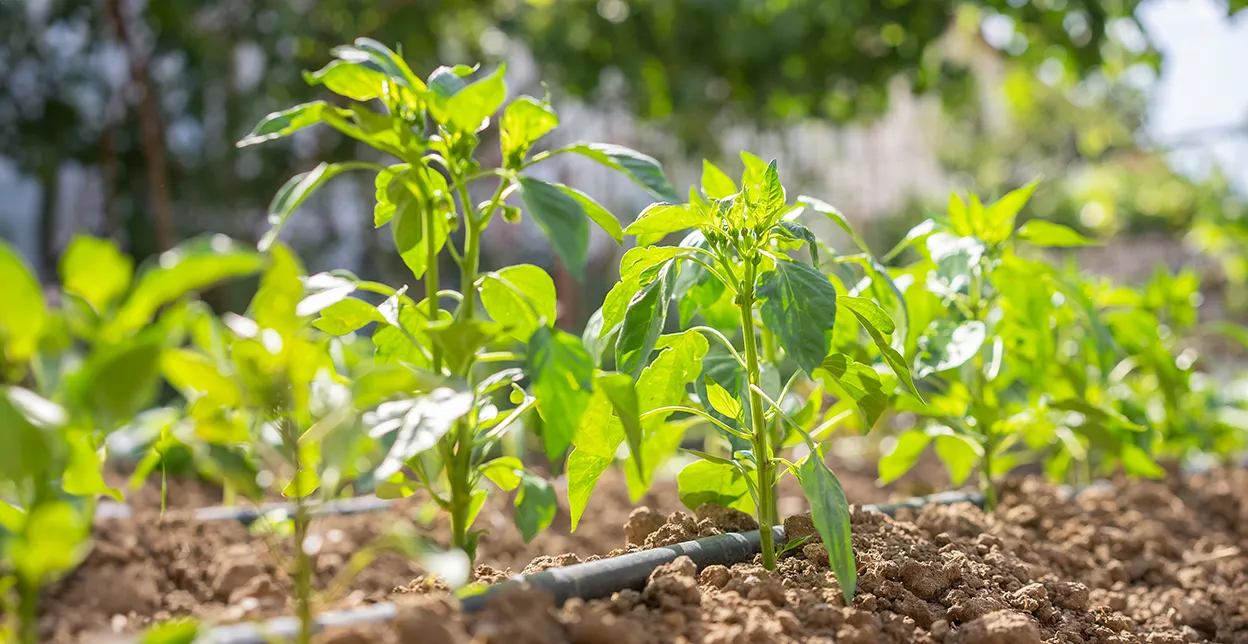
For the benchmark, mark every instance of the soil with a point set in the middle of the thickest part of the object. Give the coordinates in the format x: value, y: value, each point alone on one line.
x: 1145, y: 561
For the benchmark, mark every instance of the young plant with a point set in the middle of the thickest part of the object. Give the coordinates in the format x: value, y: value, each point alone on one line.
x: 69, y: 377
x: 735, y: 270
x: 1011, y: 347
x: 433, y: 127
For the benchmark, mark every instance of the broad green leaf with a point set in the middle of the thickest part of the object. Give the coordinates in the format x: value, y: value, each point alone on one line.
x: 595, y: 341
x: 799, y: 306
x: 949, y: 345
x: 443, y: 84
x: 382, y: 381
x: 999, y: 218
x: 919, y: 233
x: 352, y: 80
x: 904, y: 454
x: 643, y: 322
x: 55, y: 540
x: 119, y: 380
x: 471, y: 107
x: 798, y: 232
x: 26, y: 445
x: 1137, y: 462
x: 306, y: 480
x: 323, y: 290
x: 562, y: 376
x: 596, y: 440
x: 460, y: 340
x: 771, y: 199
x: 346, y: 316
x: 562, y: 218
x: 642, y: 169
x: 595, y: 212
x: 623, y: 396
x: 286, y: 122
x: 535, y: 505
x: 959, y: 453
x: 416, y: 227
x: 394, y: 67
x: 407, y: 428
x: 294, y: 192
x: 880, y: 285
x: 959, y: 217
x: 504, y: 471
x: 722, y: 401
x: 721, y: 484
x: 276, y: 304
x: 860, y: 381
x: 663, y: 218
x: 830, y: 512
x: 892, y: 358
x: 715, y: 183
x: 828, y: 210
x: 195, y: 375
x: 957, y: 261
x: 12, y: 518
x: 636, y: 264
x: 22, y: 309
x: 868, y: 312
x: 95, y: 270
x: 523, y: 296
x: 662, y: 384
x: 1047, y: 233
x: 84, y: 473
x: 524, y: 122
x: 189, y: 267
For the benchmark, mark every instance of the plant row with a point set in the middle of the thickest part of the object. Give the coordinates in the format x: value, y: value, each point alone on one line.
x: 748, y: 332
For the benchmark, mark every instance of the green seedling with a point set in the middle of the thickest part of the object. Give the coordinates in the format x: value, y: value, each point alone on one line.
x: 734, y: 271
x: 434, y: 127
x: 72, y: 374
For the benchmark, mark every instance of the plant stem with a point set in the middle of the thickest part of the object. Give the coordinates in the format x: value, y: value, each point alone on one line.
x: 28, y: 612
x: 303, y: 560
x: 472, y: 256
x: 759, y: 430
x: 990, y: 488
x: 431, y: 287
x: 461, y: 488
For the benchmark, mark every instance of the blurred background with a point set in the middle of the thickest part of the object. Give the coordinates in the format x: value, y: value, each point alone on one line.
x: 119, y: 117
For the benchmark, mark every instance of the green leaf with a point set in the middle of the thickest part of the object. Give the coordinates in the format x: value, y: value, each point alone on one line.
x: 286, y: 122
x: 95, y: 270
x: 562, y: 376
x: 642, y: 169
x: 949, y: 345
x: 715, y: 183
x: 394, y: 67
x: 26, y: 448
x: 798, y: 232
x: 904, y: 454
x: 523, y: 296
x: 84, y: 473
x: 55, y: 540
x: 410, y: 227
x: 959, y: 217
x: 662, y: 384
x: 869, y: 313
x: 643, y: 322
x: 1047, y: 233
x: 623, y: 396
x: 276, y: 304
x: 663, y: 218
x: 504, y: 471
x: 382, y: 381
x: 595, y: 212
x: 195, y: 375
x: 323, y: 290
x: 1137, y: 462
x: 471, y: 107
x: 181, y: 630
x: 119, y: 380
x: 596, y: 440
x: 830, y: 512
x: 562, y: 218
x: 919, y: 233
x: 293, y: 193
x: 524, y: 122
x: 771, y: 201
x: 191, y: 266
x: 860, y: 381
x: 999, y: 218
x: 352, y: 80
x: 443, y: 84
x: 407, y: 428
x: 722, y: 401
x: 892, y: 358
x: 959, y: 453
x: 346, y: 316
x: 22, y: 309
x: 708, y: 482
x: 636, y: 264
x: 535, y: 505
x: 829, y: 211
x: 799, y: 306
x: 461, y: 339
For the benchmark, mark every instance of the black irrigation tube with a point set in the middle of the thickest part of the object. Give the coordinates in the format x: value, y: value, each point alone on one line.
x: 590, y: 580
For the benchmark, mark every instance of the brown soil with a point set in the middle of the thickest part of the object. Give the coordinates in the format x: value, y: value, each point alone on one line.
x: 1155, y: 562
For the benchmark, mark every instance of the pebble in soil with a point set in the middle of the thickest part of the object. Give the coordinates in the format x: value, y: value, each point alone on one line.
x: 1145, y: 561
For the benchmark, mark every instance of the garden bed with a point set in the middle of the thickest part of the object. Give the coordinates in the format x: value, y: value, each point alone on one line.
x: 1142, y: 561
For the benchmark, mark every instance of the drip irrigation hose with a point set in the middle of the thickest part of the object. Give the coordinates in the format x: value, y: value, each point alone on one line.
x: 589, y: 580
